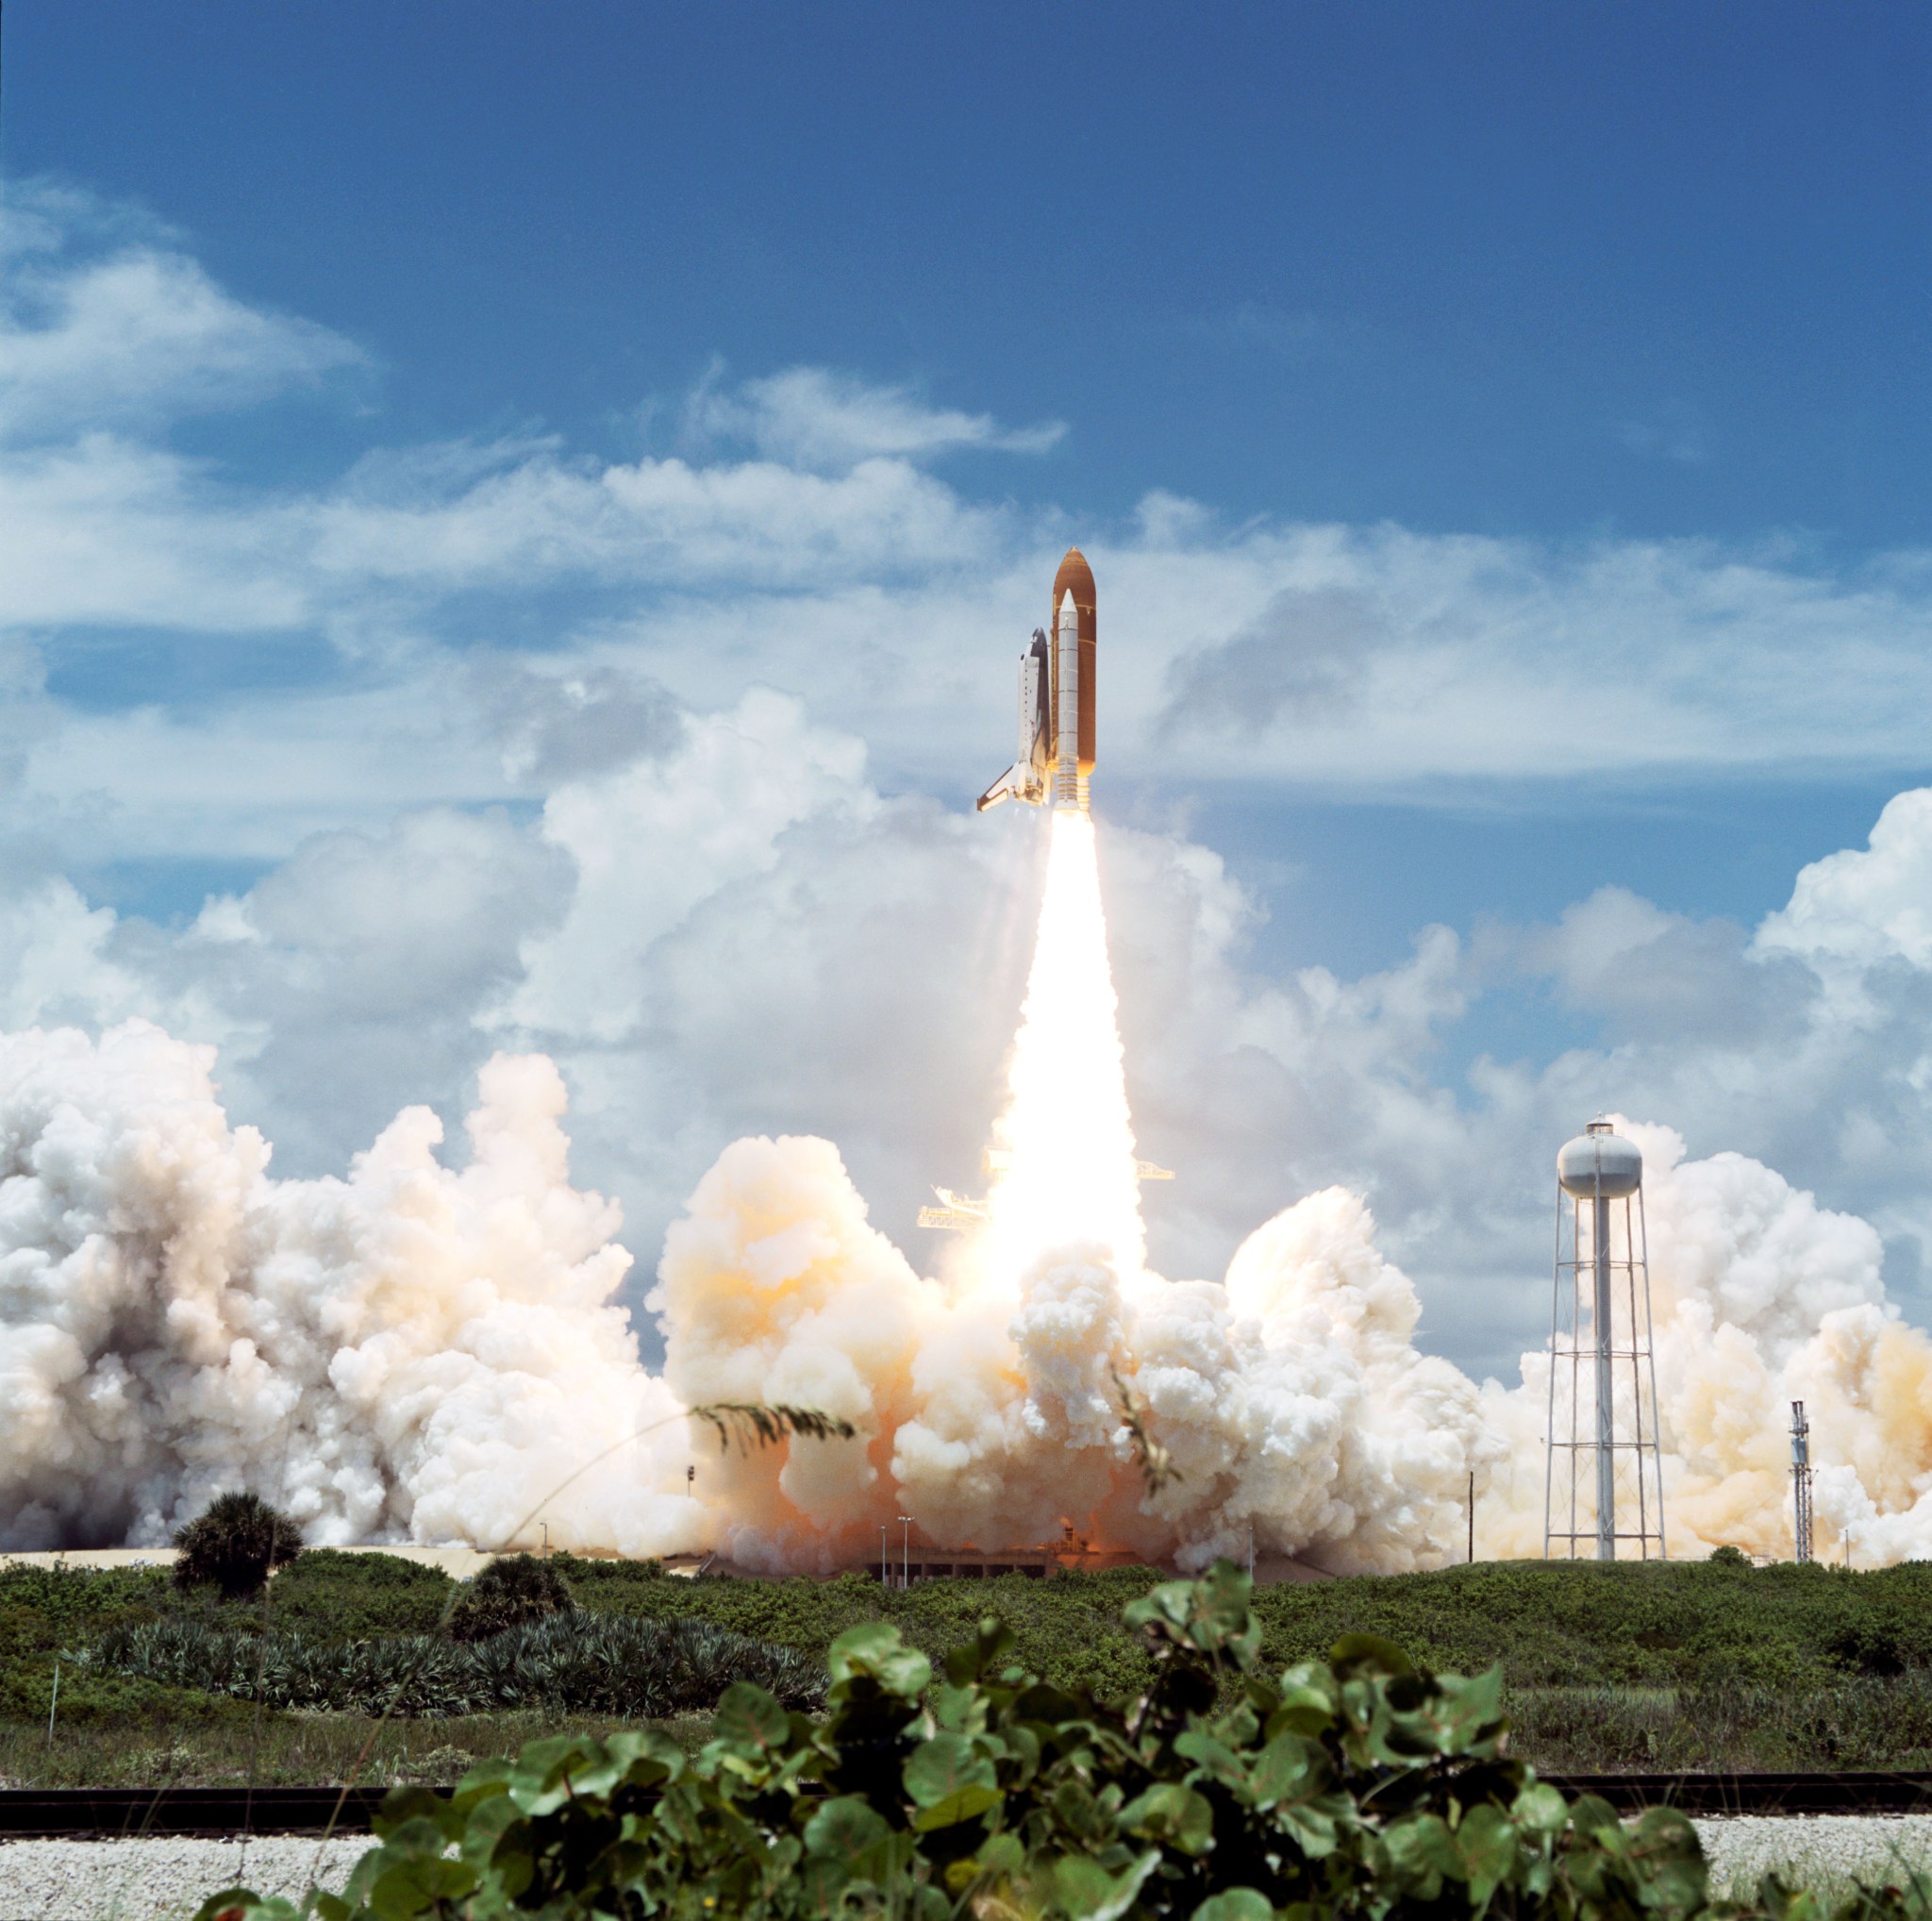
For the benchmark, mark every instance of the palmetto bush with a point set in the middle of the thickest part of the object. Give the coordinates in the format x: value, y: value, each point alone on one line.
x: 571, y: 1663
x: 512, y: 1592
x: 234, y: 1544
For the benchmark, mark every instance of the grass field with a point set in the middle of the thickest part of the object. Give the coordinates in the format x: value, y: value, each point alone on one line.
x: 1689, y: 1664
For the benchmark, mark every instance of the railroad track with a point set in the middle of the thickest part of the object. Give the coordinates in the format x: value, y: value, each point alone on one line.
x: 40, y: 1812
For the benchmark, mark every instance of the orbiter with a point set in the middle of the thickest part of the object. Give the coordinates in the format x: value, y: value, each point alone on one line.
x: 1056, y: 701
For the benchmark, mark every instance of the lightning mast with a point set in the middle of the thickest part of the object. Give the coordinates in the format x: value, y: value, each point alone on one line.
x: 1801, y: 1481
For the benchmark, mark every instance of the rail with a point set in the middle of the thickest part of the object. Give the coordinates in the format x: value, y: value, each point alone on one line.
x: 42, y: 1812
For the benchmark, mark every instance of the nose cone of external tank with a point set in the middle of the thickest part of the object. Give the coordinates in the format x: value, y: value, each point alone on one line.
x: 1600, y: 1164
x: 1074, y: 573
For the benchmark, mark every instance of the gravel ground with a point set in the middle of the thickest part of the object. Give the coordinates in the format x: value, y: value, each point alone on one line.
x: 1814, y: 1850
x: 146, y: 1880
x: 163, y: 1879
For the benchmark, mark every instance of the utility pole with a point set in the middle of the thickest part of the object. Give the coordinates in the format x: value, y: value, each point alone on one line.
x: 1471, y: 1518
x: 885, y: 1570
x: 905, y: 1550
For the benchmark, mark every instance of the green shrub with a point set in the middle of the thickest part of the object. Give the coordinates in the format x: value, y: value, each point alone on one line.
x: 1362, y: 1789
x: 342, y: 1596
x: 234, y: 1544
x: 93, y: 1696
x: 69, y: 1601
x: 510, y: 1593
x: 571, y: 1663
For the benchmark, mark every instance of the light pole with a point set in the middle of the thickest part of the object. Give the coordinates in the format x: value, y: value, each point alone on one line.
x: 1251, y: 1550
x: 905, y: 1550
x: 884, y: 1577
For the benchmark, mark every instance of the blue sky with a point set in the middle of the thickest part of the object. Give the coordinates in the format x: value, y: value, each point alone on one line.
x: 1497, y: 269
x: 1500, y: 432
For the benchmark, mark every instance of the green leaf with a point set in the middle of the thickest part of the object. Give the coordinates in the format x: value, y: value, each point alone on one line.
x: 874, y: 1648
x: 245, y: 1902
x: 965, y: 1804
x: 845, y: 1827
x: 1311, y: 1827
x: 749, y: 1717
x: 402, y: 1807
x: 488, y: 1822
x: 1422, y: 1850
x: 1369, y: 1653
x: 1214, y: 1760
x: 944, y: 1767
x: 1489, y: 1849
x: 1172, y: 1814
x: 1235, y: 1904
x: 1290, y: 1768
x: 1540, y: 1809
x: 414, y: 1886
x: 1089, y: 1893
x: 994, y: 1641
x: 1672, y: 1859
x: 541, y: 1781
x: 1043, y: 1702
x: 1210, y: 1616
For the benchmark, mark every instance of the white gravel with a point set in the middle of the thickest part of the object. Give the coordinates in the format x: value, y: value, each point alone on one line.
x: 1825, y: 1851
x: 147, y: 1880
x: 165, y: 1880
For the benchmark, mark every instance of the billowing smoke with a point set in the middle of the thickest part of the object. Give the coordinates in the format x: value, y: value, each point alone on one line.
x: 425, y: 1352
x: 409, y: 1353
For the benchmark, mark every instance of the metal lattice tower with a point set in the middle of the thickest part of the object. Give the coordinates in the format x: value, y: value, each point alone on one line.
x: 1801, y: 1481
x: 1604, y: 1471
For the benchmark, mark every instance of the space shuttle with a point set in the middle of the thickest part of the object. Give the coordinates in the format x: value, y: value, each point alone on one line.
x: 1055, y: 740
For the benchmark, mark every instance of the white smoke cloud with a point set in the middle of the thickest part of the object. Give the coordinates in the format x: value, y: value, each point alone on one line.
x: 410, y: 1352
x: 418, y: 1352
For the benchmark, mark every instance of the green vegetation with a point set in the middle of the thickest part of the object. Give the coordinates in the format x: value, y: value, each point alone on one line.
x: 1697, y: 1665
x: 510, y: 1593
x: 1227, y: 1791
x: 234, y: 1544
x: 573, y: 1663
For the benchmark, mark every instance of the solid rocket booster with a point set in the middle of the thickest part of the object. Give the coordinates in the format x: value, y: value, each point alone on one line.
x: 1056, y: 742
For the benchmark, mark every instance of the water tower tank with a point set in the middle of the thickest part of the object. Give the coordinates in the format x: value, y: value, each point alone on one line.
x: 1600, y: 1164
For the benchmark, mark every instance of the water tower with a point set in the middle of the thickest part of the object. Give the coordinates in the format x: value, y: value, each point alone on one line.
x: 1604, y: 1478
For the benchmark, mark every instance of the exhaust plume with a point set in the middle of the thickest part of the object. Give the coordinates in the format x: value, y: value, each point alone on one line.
x: 415, y: 1352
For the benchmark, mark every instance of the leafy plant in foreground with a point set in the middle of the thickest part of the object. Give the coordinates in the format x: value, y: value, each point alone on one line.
x: 1359, y: 1788
x: 234, y: 1544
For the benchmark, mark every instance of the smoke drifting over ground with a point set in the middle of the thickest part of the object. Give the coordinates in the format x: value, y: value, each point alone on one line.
x: 409, y: 1353
x: 415, y: 1352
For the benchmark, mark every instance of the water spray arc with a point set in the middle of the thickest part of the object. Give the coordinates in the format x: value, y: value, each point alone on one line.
x: 1603, y: 1401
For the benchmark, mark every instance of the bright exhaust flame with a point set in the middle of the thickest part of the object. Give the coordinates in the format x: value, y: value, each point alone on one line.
x: 1067, y: 1140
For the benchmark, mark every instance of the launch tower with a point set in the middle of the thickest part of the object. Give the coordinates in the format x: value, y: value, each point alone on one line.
x: 1604, y: 1476
x: 1801, y: 1483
